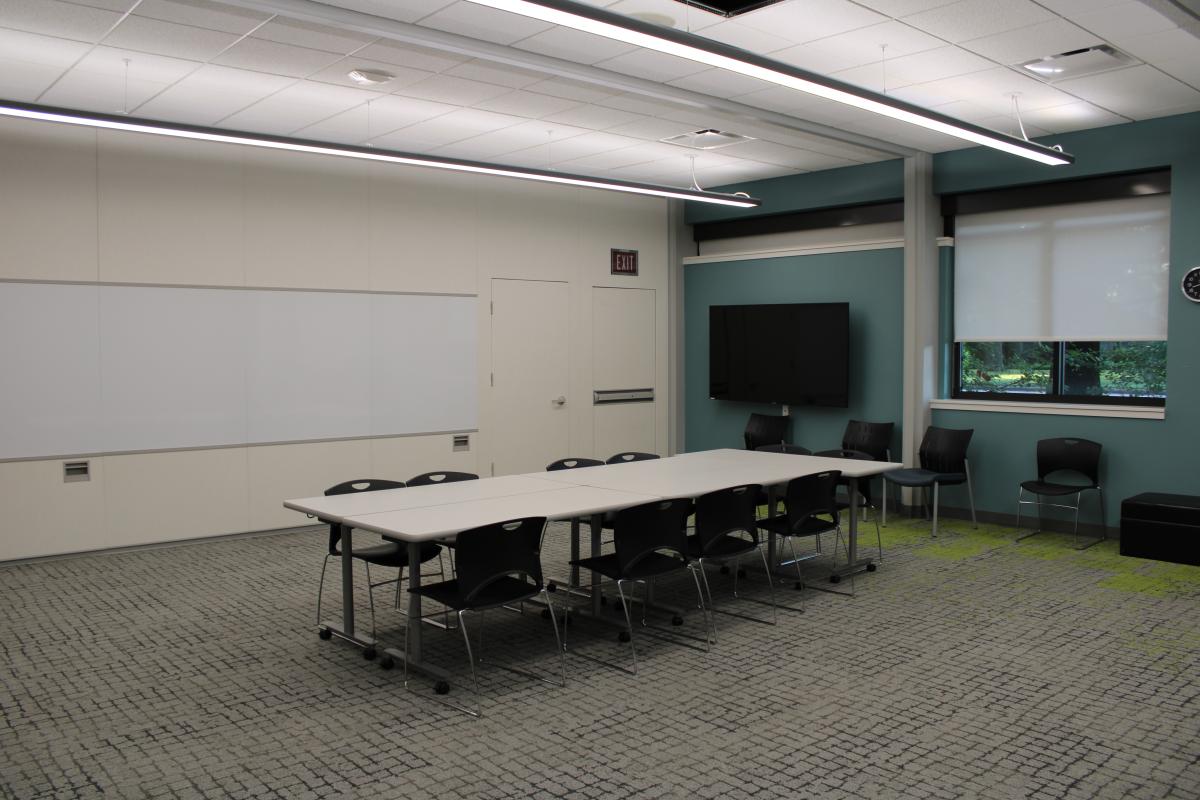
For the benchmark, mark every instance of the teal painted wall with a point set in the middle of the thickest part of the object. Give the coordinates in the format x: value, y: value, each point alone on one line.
x: 872, y: 281
x: 829, y: 188
x: 1139, y: 455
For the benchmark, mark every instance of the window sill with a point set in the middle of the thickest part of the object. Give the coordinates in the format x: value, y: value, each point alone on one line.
x: 1061, y: 409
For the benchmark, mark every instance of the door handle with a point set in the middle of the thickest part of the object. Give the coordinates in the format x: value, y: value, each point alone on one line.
x: 560, y: 400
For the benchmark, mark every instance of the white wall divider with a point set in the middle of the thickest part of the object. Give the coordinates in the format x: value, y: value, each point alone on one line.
x: 111, y: 368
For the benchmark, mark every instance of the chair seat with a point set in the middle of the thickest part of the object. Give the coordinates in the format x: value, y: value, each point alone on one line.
x: 651, y: 566
x: 501, y: 592
x: 923, y: 477
x: 721, y: 547
x: 392, y: 554
x: 1053, y: 489
x: 811, y: 526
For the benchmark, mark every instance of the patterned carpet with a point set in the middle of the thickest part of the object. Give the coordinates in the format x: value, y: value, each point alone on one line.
x: 966, y: 667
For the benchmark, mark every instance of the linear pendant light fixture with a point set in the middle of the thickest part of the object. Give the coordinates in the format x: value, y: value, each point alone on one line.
x: 179, y: 131
x: 601, y: 22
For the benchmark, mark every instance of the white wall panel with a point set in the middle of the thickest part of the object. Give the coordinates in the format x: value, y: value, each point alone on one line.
x: 173, y: 367
x: 43, y: 515
x: 281, y: 472
x: 48, y: 201
x: 55, y: 410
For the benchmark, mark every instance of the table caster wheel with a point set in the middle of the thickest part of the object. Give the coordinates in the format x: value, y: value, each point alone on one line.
x: 871, y: 567
x: 799, y: 586
x: 835, y: 578
x: 551, y: 587
x: 325, y: 633
x: 441, y: 687
x: 724, y: 570
x: 369, y: 654
x: 387, y: 662
x: 623, y: 636
x: 677, y: 620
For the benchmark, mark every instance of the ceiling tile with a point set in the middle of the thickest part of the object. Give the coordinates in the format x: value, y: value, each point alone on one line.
x: 449, y: 89
x: 499, y: 74
x: 648, y: 127
x: 586, y: 144
x: 903, y: 8
x: 805, y: 20
x: 1070, y: 8
x: 858, y: 47
x: 1134, y: 92
x: 594, y: 117
x: 338, y: 73
x: 481, y: 22
x: 929, y: 65
x: 386, y: 115
x: 971, y: 19
x: 1071, y: 117
x: 461, y: 123
x: 97, y: 91
x: 572, y: 90
x: 526, y: 104
x: 586, y: 48
x: 276, y: 58
x: 1185, y: 69
x: 1122, y: 21
x: 651, y: 65
x: 988, y: 89
x: 403, y: 10
x: 296, y: 107
x: 32, y: 48
x: 686, y: 18
x: 212, y: 93
x: 120, y: 6
x: 312, y: 36
x: 1175, y: 43
x: 1034, y: 41
x: 612, y: 159
x: 169, y: 38
x: 805, y: 106
x: 110, y: 61
x: 24, y: 81
x: 53, y: 18
x: 412, y: 56
x: 756, y: 40
x: 524, y: 138
x: 202, y: 14
x: 719, y: 83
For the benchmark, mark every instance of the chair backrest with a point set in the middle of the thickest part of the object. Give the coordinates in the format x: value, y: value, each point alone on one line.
x: 864, y: 484
x: 1069, y: 455
x: 488, y: 553
x: 657, y: 527
x: 352, y: 487
x: 874, y: 438
x: 573, y: 463
x: 765, y: 429
x: 632, y: 455
x: 812, y: 494
x: 945, y: 449
x: 727, y: 511
x: 791, y: 449
x: 443, y: 476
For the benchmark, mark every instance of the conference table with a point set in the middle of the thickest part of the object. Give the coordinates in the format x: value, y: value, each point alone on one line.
x: 423, y: 513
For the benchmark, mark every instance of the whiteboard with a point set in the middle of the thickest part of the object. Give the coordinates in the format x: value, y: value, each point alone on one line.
x: 103, y: 369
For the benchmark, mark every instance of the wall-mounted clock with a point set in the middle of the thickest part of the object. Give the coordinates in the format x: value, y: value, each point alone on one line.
x: 1191, y: 284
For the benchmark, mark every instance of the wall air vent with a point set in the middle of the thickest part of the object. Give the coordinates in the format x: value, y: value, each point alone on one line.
x: 707, y: 139
x: 1077, y: 63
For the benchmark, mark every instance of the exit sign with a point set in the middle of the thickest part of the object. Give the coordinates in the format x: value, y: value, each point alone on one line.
x: 624, y: 262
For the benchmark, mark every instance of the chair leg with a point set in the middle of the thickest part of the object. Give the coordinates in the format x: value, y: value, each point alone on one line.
x: 933, y: 530
x: 471, y: 659
x: 1020, y: 502
x: 1103, y: 513
x: 884, y: 491
x: 795, y: 561
x: 703, y: 576
x: 1075, y: 531
x: 371, y: 597
x: 628, y: 621
x: 771, y: 588
x: 479, y: 655
x: 971, y: 495
x: 709, y: 622
x: 560, y: 640
x: 737, y: 567
x: 321, y: 587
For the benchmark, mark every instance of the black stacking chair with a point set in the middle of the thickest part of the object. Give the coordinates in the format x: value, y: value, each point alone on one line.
x: 1069, y: 458
x: 632, y: 455
x: 943, y: 456
x: 864, y: 489
x: 651, y: 541
x: 807, y: 500
x: 443, y: 476
x: 573, y: 463
x: 764, y: 429
x: 498, y: 565
x: 727, y: 530
x: 384, y: 554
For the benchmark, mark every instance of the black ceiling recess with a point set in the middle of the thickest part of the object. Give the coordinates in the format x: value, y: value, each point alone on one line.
x: 728, y: 8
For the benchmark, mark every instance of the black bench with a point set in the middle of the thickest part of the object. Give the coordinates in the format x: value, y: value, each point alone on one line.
x: 1165, y: 527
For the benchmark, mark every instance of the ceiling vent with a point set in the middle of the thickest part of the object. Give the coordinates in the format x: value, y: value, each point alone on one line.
x: 707, y: 139
x: 1077, y: 63
x: 728, y: 8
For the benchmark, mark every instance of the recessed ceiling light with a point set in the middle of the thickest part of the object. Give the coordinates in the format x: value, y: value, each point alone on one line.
x: 707, y: 139
x: 369, y: 77
x: 1077, y: 63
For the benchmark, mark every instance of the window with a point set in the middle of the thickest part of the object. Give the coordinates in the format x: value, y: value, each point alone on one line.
x: 1063, y: 303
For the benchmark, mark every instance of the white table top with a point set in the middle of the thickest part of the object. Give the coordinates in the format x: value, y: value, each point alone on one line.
x: 435, y: 522
x: 338, y: 507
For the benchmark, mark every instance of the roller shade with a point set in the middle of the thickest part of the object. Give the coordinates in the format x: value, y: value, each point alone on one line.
x: 1082, y: 272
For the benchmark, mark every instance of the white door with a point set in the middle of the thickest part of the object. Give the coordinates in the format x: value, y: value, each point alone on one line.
x: 530, y: 350
x: 623, y: 349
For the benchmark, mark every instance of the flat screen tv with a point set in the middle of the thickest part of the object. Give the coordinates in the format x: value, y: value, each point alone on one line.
x: 793, y: 354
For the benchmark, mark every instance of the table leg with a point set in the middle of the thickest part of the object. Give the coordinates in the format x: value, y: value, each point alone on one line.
x: 772, y: 542
x: 853, y: 563
x: 597, y: 526
x: 414, y: 623
x: 346, y: 629
x: 574, y: 552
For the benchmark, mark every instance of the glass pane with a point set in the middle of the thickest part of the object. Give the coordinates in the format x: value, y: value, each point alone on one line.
x: 1019, y: 368
x: 1115, y: 369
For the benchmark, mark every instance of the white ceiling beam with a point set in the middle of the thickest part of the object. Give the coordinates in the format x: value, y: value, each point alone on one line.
x: 335, y: 16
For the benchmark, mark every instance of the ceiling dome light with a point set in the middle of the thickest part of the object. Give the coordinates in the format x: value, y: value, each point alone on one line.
x: 369, y: 77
